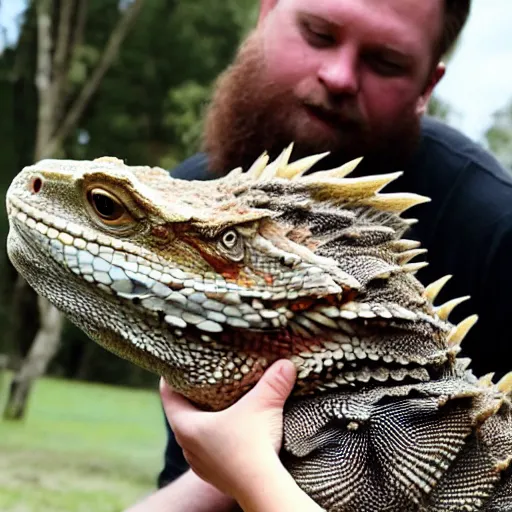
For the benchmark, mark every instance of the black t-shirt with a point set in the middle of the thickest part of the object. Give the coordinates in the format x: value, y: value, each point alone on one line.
x: 467, y: 229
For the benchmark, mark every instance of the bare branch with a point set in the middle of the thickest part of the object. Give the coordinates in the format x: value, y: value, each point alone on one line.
x: 62, y: 45
x: 81, y: 18
x: 43, y: 78
x: 41, y: 352
x: 46, y: 342
x: 60, y: 56
x: 110, y: 53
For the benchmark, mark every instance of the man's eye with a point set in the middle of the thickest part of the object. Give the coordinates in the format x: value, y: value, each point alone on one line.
x: 316, y: 37
x: 386, y: 67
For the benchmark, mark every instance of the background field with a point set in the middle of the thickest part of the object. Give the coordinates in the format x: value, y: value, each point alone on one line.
x: 82, y: 447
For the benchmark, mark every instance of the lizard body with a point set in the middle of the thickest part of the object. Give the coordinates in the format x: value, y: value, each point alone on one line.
x: 208, y: 283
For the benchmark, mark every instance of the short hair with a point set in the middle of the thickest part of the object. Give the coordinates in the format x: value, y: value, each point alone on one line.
x: 456, y: 13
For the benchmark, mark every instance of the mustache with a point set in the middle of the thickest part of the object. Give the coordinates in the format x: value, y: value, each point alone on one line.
x: 338, y: 111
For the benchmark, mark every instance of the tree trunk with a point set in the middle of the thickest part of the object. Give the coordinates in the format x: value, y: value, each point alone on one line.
x: 45, y: 121
x: 24, y: 321
x: 47, y: 338
x: 50, y: 77
x: 42, y: 351
x: 4, y: 361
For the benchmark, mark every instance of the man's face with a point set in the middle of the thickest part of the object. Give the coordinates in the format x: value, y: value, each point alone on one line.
x: 348, y: 76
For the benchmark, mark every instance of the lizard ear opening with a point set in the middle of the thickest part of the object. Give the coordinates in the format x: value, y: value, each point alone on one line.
x: 230, y: 244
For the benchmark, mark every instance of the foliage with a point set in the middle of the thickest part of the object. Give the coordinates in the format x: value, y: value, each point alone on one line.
x: 439, y: 108
x: 185, y: 106
x: 175, y: 52
x: 100, y: 447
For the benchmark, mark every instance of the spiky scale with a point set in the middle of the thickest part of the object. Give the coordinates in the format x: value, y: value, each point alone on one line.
x: 414, y: 267
x: 459, y: 332
x: 433, y: 289
x: 505, y: 384
x: 397, y: 202
x: 349, y: 189
x: 273, y: 168
x: 443, y: 311
x: 486, y: 380
x: 407, y: 256
x: 342, y: 171
x: 234, y: 174
x: 404, y: 245
x: 258, y: 166
x: 296, y: 169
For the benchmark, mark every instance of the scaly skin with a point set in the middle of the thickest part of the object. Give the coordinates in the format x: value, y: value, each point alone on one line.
x: 208, y: 283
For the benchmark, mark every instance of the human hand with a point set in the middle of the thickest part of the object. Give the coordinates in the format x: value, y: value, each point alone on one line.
x: 233, y: 448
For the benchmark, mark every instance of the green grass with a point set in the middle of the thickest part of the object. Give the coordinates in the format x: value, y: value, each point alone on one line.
x: 82, y: 447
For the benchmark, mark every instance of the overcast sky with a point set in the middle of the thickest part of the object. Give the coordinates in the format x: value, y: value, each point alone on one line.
x: 479, y: 77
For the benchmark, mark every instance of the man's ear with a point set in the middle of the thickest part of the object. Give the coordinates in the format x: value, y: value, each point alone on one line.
x: 265, y: 7
x: 435, y: 77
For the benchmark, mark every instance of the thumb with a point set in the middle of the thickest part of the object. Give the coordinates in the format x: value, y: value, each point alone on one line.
x: 275, y: 385
x: 171, y: 400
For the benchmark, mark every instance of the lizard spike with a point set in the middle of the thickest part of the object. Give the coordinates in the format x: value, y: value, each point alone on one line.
x: 503, y: 464
x: 395, y: 202
x: 284, y: 157
x: 296, y: 169
x: 486, y: 380
x: 433, y: 289
x: 404, y: 245
x: 340, y: 172
x: 386, y: 273
x: 412, y: 268
x: 460, y: 331
x: 258, y: 166
x: 407, y: 256
x: 109, y: 160
x: 273, y: 168
x: 234, y: 173
x: 443, y: 311
x: 349, y: 189
x: 505, y: 383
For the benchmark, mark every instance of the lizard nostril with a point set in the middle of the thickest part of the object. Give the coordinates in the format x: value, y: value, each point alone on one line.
x: 36, y: 184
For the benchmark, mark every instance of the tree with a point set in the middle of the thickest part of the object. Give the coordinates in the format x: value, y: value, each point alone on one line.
x: 439, y: 108
x: 57, y: 116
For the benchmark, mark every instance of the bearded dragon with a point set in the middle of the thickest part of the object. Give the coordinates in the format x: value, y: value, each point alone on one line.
x: 208, y: 283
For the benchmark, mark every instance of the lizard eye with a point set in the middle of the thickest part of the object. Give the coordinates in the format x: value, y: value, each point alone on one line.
x: 109, y: 209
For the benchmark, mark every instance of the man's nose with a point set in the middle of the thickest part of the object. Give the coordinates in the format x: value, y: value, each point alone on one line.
x: 339, y: 72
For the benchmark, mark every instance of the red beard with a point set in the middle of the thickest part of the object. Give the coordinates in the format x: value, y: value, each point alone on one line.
x: 249, y: 115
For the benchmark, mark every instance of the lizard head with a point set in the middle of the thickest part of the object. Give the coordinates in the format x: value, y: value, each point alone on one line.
x: 207, y: 283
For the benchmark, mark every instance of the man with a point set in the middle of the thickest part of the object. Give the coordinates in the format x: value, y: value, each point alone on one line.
x: 354, y: 77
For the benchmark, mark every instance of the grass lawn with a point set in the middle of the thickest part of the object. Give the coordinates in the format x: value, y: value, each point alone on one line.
x: 81, y: 448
